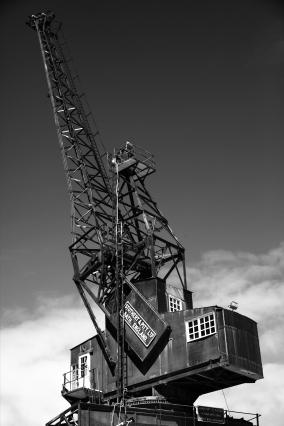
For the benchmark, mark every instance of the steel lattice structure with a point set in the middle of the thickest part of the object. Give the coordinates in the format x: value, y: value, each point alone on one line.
x: 116, y: 224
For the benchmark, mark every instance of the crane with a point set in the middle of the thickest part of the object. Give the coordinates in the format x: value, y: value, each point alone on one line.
x: 119, y: 235
x: 156, y: 347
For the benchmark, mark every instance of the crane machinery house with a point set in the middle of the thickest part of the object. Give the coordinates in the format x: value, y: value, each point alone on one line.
x: 157, y: 353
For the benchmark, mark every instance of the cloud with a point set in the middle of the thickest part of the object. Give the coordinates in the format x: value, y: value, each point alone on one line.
x: 34, y: 355
x: 35, y: 345
x: 256, y: 282
x: 264, y: 397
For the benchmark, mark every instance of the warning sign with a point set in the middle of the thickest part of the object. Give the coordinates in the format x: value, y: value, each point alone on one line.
x: 140, y: 327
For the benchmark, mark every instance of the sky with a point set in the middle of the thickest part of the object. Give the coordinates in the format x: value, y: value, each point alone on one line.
x: 200, y: 85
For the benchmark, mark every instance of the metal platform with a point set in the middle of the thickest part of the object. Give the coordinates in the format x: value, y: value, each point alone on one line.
x: 162, y: 414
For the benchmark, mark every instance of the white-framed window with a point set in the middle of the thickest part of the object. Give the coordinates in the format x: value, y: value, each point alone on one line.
x: 174, y: 304
x: 200, y: 327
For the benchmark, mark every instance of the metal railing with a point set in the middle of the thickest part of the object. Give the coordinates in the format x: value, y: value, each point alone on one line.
x: 67, y: 417
x: 130, y: 150
x: 77, y: 378
x: 240, y: 415
x: 188, y: 416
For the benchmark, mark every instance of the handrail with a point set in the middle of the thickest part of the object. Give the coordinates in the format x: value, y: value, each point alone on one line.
x: 130, y: 150
x: 76, y: 378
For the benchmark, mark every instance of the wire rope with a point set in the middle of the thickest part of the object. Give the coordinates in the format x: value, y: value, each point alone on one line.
x: 225, y: 400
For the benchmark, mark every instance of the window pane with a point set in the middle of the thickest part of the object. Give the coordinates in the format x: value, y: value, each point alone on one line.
x: 174, y: 304
x: 201, y: 327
